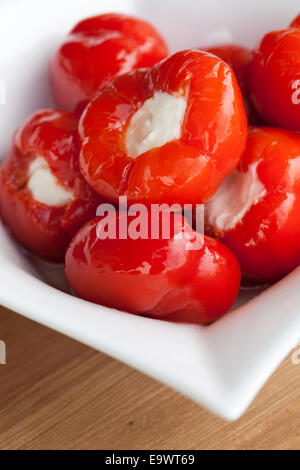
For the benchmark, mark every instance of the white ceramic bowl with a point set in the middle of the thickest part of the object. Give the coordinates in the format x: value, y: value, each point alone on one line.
x: 222, y: 366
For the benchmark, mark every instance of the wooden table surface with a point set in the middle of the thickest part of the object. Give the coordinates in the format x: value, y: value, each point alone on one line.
x: 58, y: 394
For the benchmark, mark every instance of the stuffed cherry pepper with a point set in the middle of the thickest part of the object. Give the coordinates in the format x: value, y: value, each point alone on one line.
x: 184, y: 276
x: 96, y: 50
x: 275, y: 78
x: 167, y: 134
x: 44, y: 199
x: 256, y: 210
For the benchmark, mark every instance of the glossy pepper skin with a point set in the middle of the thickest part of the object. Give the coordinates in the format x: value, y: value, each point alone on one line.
x: 275, y: 79
x: 266, y: 240
x: 240, y: 59
x: 296, y: 22
x: 159, y: 278
x: 186, y: 170
x: 45, y: 230
x: 96, y: 50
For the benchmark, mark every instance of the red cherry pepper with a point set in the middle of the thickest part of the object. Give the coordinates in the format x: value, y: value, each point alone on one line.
x: 239, y: 58
x: 47, y: 143
x: 158, y: 278
x: 188, y: 168
x: 260, y: 224
x: 296, y: 22
x: 96, y: 50
x: 275, y: 78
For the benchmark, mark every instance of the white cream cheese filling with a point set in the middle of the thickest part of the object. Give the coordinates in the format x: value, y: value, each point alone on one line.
x: 236, y: 195
x: 44, y: 186
x: 156, y: 123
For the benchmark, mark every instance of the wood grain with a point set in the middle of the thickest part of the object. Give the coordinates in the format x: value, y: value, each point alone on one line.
x: 58, y: 394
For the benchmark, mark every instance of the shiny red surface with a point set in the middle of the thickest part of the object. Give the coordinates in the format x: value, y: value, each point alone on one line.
x: 96, y: 50
x: 158, y: 278
x: 239, y: 58
x: 42, y: 229
x: 275, y: 78
x: 187, y: 170
x: 296, y: 22
x: 266, y: 241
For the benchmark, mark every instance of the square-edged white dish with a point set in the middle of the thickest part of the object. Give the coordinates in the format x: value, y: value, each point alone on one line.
x: 221, y: 366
